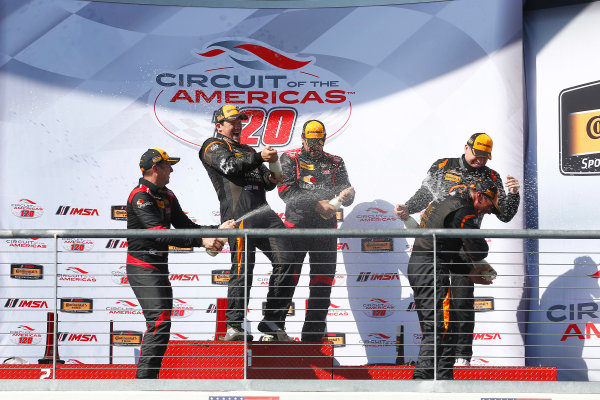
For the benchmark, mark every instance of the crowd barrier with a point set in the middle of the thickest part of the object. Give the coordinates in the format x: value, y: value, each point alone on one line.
x: 55, y: 325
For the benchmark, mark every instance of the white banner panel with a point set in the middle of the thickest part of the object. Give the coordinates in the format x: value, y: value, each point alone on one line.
x: 90, y: 86
x: 564, y: 126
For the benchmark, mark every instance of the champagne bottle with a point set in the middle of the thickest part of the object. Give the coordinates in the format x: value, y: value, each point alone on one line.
x: 410, y: 223
x: 336, y: 202
x: 485, y: 269
x: 212, y: 251
x: 275, y: 168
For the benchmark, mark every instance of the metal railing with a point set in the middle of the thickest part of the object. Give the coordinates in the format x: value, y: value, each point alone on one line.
x: 530, y: 288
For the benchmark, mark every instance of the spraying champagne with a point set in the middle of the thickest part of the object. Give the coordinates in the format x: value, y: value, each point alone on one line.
x: 265, y: 207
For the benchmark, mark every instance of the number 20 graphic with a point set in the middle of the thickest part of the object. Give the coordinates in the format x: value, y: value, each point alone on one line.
x: 271, y: 128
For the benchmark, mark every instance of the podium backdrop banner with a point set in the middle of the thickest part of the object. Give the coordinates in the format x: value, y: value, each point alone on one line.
x: 87, y: 87
x: 563, y: 137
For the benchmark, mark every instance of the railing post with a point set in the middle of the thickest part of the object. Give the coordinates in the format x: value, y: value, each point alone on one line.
x: 55, y: 325
x: 434, y: 307
x: 245, y: 305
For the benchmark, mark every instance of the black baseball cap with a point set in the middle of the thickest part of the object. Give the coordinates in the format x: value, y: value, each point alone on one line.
x: 228, y: 113
x: 154, y: 156
x: 488, y: 188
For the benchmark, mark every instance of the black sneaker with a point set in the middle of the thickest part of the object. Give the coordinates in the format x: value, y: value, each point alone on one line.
x: 236, y: 333
x: 276, y: 332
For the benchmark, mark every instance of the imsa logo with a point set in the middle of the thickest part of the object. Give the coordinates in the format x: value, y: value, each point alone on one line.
x: 67, y: 210
x: 76, y: 337
x: 369, y: 276
x: 26, y: 271
x: 116, y: 244
x: 25, y: 303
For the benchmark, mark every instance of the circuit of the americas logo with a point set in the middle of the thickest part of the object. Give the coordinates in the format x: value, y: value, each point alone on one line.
x: 275, y: 88
x: 27, y: 209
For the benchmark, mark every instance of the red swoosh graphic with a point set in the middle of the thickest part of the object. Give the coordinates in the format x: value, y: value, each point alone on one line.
x: 596, y: 275
x: 212, y: 53
x: 380, y: 300
x: 77, y: 269
x: 272, y: 57
x: 26, y: 327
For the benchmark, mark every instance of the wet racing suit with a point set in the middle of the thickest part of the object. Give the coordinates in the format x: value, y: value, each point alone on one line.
x: 151, y: 207
x: 455, y: 212
x: 241, y: 180
x: 308, y: 181
x: 446, y: 176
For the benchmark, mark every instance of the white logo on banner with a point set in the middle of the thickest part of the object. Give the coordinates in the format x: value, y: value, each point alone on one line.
x: 26, y: 208
x: 78, y: 244
x: 273, y: 87
x: 25, y: 335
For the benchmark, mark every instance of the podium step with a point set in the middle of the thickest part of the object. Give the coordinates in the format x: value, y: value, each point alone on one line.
x: 265, y: 360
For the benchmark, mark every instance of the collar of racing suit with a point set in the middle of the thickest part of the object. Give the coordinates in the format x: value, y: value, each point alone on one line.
x: 155, y: 190
x: 305, y: 154
x: 464, y: 164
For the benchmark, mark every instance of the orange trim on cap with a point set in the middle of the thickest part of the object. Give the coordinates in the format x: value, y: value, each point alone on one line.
x: 462, y: 223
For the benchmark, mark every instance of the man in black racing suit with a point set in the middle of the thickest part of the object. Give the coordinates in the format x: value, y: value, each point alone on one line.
x: 311, y: 179
x: 445, y: 177
x: 151, y: 205
x: 455, y: 212
x: 241, y: 180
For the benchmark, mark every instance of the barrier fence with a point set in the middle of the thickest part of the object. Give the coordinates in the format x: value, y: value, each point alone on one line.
x: 69, y: 313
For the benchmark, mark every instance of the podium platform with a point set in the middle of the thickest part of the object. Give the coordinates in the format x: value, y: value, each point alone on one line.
x: 265, y: 360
